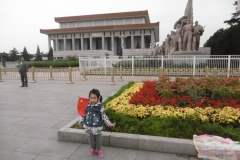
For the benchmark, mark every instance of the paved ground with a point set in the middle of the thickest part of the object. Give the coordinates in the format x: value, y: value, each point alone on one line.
x: 30, y: 118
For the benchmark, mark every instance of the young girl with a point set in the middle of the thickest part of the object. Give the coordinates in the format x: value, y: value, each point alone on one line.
x: 93, y: 122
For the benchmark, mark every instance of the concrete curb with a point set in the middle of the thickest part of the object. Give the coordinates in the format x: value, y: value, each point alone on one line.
x: 131, y: 141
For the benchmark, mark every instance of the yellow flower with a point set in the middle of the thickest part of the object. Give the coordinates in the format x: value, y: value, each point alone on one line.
x: 121, y: 105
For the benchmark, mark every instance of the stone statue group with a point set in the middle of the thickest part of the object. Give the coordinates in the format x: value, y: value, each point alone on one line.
x: 186, y: 37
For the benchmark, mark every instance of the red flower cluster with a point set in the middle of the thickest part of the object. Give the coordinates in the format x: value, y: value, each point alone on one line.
x: 187, y: 93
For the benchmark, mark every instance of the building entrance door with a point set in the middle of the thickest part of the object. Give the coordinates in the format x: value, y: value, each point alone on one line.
x: 119, y: 47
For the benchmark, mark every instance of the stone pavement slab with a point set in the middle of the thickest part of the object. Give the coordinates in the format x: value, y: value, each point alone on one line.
x: 10, y: 129
x: 60, y: 124
x: 12, y: 142
x: 10, y: 119
x: 41, y: 133
x: 48, y: 158
x: 49, y: 148
x: 109, y: 153
x: 62, y: 117
x: 11, y: 155
x: 30, y: 118
x: 48, y: 123
x: 144, y: 155
x: 9, y: 112
x: 30, y: 122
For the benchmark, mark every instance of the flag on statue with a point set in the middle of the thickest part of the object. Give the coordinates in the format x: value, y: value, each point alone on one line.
x: 82, y: 105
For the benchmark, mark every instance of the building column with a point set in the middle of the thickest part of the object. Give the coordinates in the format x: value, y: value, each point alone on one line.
x: 90, y: 41
x: 142, y: 39
x: 73, y: 42
x: 103, y: 42
x: 56, y: 43
x: 152, y: 39
x: 64, y: 42
x: 132, y: 40
x: 82, y: 41
x: 112, y: 42
x: 49, y: 42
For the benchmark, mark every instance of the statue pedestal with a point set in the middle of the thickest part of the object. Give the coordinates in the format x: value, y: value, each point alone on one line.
x: 190, y: 53
x: 186, y: 58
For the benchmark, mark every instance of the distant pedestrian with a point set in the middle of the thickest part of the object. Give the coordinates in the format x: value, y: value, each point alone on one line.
x: 4, y: 59
x: 23, y: 69
x: 92, y: 123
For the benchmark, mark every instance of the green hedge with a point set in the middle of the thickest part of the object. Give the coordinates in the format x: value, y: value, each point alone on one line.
x: 55, y: 64
x: 169, y: 127
x: 166, y: 127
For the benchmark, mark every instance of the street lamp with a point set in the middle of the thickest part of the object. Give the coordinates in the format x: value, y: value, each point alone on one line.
x: 122, y: 41
x: 238, y: 6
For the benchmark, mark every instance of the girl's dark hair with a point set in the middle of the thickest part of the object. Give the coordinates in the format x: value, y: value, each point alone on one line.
x: 97, y: 93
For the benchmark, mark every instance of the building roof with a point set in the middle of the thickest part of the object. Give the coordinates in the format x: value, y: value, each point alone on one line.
x: 154, y: 26
x: 104, y: 16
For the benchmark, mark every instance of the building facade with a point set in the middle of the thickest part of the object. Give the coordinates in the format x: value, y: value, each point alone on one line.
x: 113, y: 34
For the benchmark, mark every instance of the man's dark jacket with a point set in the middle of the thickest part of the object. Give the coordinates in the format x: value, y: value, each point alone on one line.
x: 23, y: 67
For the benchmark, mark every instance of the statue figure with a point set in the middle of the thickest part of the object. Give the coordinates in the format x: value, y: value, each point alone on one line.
x: 156, y: 50
x: 167, y: 44
x: 187, y: 36
x: 197, y: 32
x: 162, y: 48
x: 179, y: 36
x: 173, y: 46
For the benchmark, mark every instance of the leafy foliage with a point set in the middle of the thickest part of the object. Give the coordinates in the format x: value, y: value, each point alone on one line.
x: 50, y: 54
x: 168, y: 127
x: 204, y: 92
x: 72, y: 58
x: 25, y: 54
x: 55, y: 64
x: 226, y: 41
x: 13, y: 55
x: 235, y: 18
x: 118, y: 93
x: 38, y: 55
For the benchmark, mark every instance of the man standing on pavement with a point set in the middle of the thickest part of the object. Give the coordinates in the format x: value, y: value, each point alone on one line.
x: 23, y: 69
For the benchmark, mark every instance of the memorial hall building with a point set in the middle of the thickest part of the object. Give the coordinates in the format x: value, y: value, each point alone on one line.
x: 100, y: 35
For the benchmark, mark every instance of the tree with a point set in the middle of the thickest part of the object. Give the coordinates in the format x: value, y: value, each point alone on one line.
x: 14, y: 55
x: 38, y: 56
x: 50, y: 54
x: 226, y: 41
x: 235, y: 18
x: 25, y: 54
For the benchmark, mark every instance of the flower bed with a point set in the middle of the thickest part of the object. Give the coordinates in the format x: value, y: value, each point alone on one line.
x: 213, y: 100
x: 166, y: 120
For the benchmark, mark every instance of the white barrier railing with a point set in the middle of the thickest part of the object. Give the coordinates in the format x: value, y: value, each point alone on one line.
x: 227, y: 65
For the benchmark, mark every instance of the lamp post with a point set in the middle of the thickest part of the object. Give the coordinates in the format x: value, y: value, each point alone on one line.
x: 122, y: 41
x: 238, y: 6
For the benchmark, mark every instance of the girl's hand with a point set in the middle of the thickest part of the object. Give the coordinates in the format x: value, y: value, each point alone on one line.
x: 80, y: 125
x: 111, y: 125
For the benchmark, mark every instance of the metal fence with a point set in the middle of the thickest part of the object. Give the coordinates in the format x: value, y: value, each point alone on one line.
x: 176, y: 66
x: 110, y: 69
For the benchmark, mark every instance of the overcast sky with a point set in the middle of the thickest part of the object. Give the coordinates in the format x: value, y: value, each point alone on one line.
x: 21, y: 20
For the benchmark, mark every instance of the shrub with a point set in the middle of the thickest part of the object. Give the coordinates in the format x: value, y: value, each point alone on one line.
x: 72, y: 58
x: 169, y: 127
x: 55, y: 64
